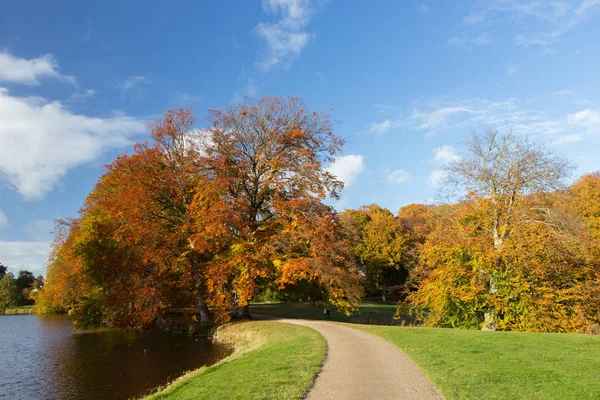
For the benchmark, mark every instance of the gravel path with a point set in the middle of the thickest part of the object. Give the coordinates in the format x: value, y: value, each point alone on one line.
x: 363, y: 366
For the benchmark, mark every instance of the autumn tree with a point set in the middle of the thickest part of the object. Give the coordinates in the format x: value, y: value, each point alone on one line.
x: 261, y: 210
x: 381, y: 243
x: 586, y: 193
x: 131, y: 246
x: 503, y: 169
x: 208, y: 215
x: 68, y: 284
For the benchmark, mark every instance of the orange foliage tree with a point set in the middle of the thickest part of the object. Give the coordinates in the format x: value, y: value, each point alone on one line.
x: 261, y: 212
x: 515, y: 253
x: 210, y: 215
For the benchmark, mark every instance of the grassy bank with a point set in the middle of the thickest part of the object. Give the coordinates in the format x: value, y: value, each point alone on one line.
x: 271, y: 361
x: 501, y: 365
x: 22, y: 310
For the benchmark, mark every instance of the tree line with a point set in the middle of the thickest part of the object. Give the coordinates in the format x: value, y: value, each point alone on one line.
x: 19, y: 291
x: 217, y: 216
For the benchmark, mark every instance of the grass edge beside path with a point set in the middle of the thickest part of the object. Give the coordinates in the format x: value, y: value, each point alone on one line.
x: 271, y: 360
x: 467, y: 364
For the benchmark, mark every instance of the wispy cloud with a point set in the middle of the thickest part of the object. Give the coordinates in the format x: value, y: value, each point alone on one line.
x: 378, y: 128
x: 30, y: 71
x: 247, y: 90
x: 286, y: 37
x: 568, y: 139
x: 479, y: 40
x: 133, y: 87
x: 521, y: 117
x: 132, y: 81
x: 398, y: 176
x: 420, y: 119
x: 511, y: 70
x: 423, y: 7
x: 183, y: 99
x: 558, y: 17
x: 3, y: 219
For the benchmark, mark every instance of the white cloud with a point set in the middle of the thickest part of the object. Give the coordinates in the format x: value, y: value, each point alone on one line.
x: 29, y: 72
x: 31, y: 256
x: 3, y: 219
x: 285, y: 38
x: 587, y: 119
x: 436, y: 178
x: 41, y: 140
x: 445, y: 154
x: 398, y: 176
x: 347, y: 168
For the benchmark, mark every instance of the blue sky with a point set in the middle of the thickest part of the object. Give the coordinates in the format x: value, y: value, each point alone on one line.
x: 407, y: 81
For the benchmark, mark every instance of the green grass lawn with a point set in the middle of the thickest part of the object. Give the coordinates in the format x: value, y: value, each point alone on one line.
x: 501, y: 365
x: 272, y: 361
x: 369, y: 309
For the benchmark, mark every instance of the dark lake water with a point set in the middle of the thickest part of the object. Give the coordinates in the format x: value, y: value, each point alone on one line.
x: 44, y: 358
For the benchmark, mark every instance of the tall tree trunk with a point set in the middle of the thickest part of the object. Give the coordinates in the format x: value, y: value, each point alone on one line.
x: 489, y: 323
x: 203, y: 311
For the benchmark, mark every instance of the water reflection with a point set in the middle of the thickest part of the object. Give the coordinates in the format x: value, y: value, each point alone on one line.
x: 44, y: 358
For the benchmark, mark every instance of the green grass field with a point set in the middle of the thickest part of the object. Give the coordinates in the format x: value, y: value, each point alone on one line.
x: 271, y: 361
x: 467, y: 364
x: 501, y: 365
x: 369, y: 309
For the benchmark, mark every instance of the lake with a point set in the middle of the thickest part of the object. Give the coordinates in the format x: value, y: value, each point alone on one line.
x: 44, y: 358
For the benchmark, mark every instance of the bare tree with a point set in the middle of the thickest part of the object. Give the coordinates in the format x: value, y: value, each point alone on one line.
x: 503, y: 169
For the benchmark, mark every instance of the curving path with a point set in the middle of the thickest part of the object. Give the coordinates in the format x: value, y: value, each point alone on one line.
x: 363, y: 366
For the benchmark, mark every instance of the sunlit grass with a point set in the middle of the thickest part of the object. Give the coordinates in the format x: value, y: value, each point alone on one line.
x: 467, y: 364
x: 272, y: 361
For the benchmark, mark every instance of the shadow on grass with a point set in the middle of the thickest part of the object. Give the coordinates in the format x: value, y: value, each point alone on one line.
x: 371, y: 311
